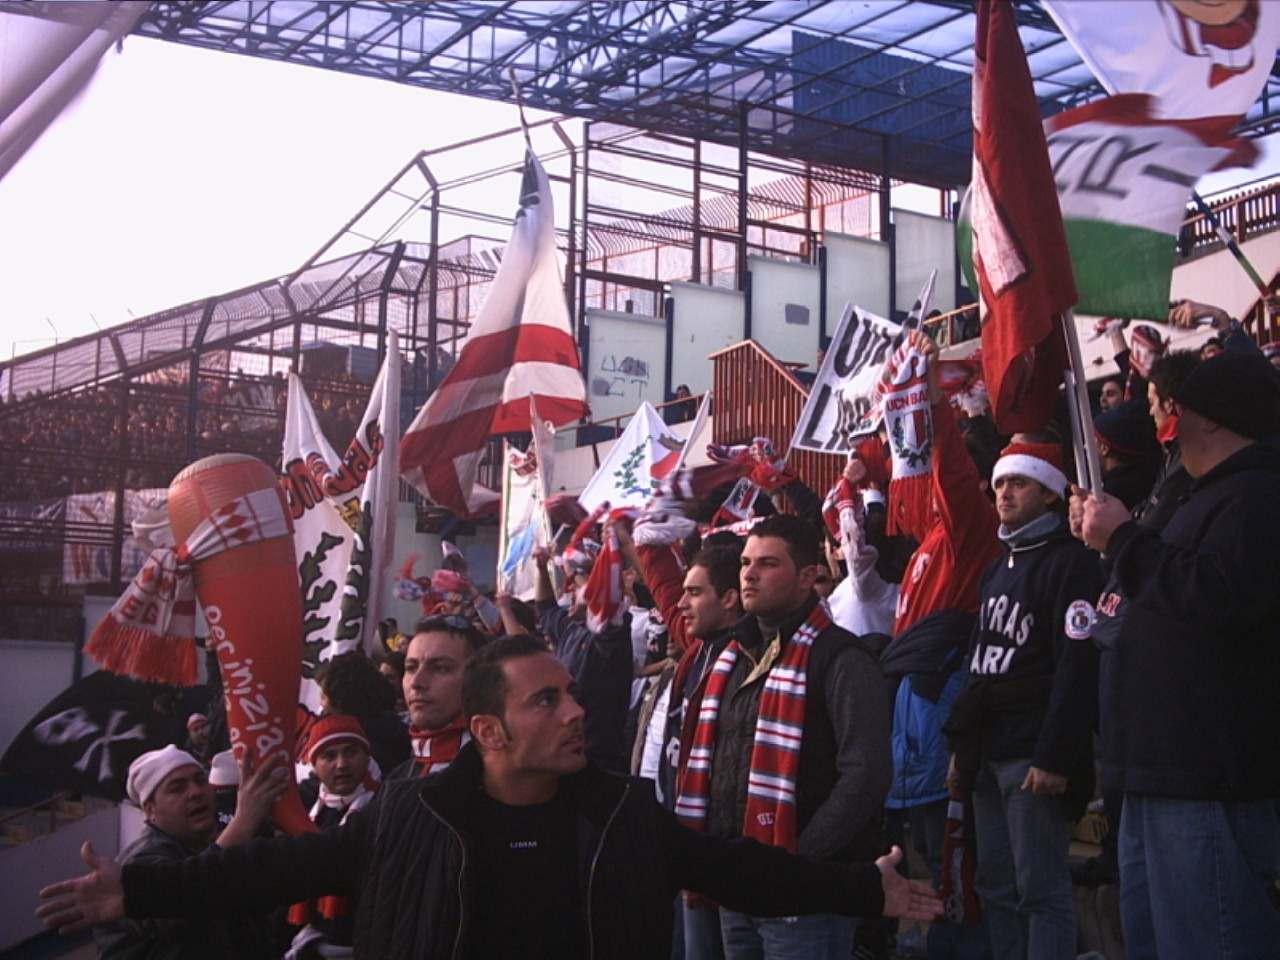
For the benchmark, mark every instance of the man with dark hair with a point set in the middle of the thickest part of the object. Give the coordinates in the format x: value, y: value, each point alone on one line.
x: 1126, y: 444
x: 1022, y: 727
x: 700, y: 606
x: 432, y: 682
x: 787, y: 738
x: 1111, y: 393
x: 1189, y: 711
x: 520, y: 848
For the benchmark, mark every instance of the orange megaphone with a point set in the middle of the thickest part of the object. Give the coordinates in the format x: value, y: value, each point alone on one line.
x: 251, y: 601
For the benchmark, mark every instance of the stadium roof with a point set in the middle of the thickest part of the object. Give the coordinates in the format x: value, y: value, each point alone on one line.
x: 853, y: 82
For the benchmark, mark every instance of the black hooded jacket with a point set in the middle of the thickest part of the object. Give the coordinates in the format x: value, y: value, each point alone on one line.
x: 404, y: 860
x: 1190, y: 686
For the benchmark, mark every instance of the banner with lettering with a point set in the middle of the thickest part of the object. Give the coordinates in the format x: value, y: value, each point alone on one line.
x: 842, y: 401
x: 89, y: 519
x: 31, y: 526
x: 343, y: 511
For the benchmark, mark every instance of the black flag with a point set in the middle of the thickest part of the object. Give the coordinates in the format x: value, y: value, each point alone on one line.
x: 85, y: 739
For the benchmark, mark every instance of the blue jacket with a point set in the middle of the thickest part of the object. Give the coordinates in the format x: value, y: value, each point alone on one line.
x: 920, y: 751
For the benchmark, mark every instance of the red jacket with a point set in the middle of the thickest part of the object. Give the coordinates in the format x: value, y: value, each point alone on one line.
x: 959, y: 543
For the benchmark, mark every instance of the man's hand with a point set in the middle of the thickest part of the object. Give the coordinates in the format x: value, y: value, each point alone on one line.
x: 1043, y: 783
x: 1100, y: 515
x: 1186, y: 312
x: 908, y: 899
x: 502, y: 600
x: 74, y: 905
x: 855, y: 470
x: 1075, y: 511
x: 541, y: 556
x: 953, y: 780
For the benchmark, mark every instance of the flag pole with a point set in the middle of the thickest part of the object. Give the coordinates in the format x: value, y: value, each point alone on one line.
x: 524, y: 124
x: 1225, y: 236
x: 1079, y: 403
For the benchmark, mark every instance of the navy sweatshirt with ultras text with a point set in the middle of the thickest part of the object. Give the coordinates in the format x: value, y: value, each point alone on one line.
x: 1033, y: 672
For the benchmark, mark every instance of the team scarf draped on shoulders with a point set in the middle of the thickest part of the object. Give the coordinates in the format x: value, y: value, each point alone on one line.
x: 433, y: 750
x: 331, y: 906
x: 775, y: 752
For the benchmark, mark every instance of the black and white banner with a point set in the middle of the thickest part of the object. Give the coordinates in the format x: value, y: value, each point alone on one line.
x: 841, y: 405
x: 87, y: 736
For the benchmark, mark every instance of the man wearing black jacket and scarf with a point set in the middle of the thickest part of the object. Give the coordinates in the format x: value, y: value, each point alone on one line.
x: 519, y: 848
x: 1022, y: 728
x: 1189, y: 705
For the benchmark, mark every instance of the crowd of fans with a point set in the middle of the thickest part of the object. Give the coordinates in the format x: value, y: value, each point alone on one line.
x: 71, y: 444
x: 962, y: 661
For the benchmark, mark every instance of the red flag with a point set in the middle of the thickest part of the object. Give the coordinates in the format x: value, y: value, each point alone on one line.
x: 1020, y: 250
x: 520, y: 345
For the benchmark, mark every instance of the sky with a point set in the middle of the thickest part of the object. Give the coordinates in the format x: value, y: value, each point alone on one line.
x: 181, y: 173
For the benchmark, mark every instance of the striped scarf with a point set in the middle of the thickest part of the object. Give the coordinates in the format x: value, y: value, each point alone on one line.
x: 434, y: 750
x: 775, y: 753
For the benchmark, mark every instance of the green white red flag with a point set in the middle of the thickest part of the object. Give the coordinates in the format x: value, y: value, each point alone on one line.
x: 1124, y: 178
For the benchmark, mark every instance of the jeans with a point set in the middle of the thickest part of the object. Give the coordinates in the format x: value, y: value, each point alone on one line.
x: 1195, y: 878
x: 1022, y: 875
x: 927, y: 823
x: 701, y: 932
x: 820, y: 936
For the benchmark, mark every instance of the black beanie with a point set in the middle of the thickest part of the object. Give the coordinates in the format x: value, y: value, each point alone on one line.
x: 1236, y: 389
x: 1127, y: 429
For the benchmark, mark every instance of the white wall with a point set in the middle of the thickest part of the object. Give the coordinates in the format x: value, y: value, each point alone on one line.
x: 785, y: 298
x: 857, y: 273
x: 626, y: 362
x: 704, y: 319
x: 921, y: 245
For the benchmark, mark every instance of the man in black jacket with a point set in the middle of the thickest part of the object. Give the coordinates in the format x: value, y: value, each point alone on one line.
x: 823, y: 796
x: 519, y: 847
x: 1189, y: 708
x: 1022, y: 727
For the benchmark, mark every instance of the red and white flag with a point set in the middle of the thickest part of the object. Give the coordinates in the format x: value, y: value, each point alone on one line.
x: 519, y: 346
x: 1020, y: 250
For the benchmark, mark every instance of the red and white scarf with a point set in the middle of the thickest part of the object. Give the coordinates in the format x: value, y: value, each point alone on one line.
x: 603, y: 593
x: 775, y: 753
x: 433, y: 750
x: 150, y: 632
x: 908, y: 417
x: 331, y: 906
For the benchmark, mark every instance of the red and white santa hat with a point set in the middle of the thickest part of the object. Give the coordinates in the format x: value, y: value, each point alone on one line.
x: 1041, y: 462
x: 332, y: 728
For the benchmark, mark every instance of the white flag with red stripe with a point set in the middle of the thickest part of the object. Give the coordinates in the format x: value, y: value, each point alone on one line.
x: 519, y: 346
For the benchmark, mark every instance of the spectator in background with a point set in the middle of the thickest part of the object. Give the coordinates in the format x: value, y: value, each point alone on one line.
x: 432, y: 685
x: 1111, y: 393
x: 601, y: 664
x: 350, y: 684
x: 198, y: 736
x: 1127, y: 446
x: 684, y: 409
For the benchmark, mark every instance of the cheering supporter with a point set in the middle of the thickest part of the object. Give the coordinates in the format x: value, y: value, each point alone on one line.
x: 1188, y: 704
x: 787, y: 738
x: 197, y: 736
x: 1172, y: 481
x: 178, y: 805
x: 925, y: 662
x: 351, y: 684
x: 1021, y: 729
x: 1111, y: 393
x: 600, y: 663
x: 433, y: 668
x: 520, y: 848
x: 338, y: 751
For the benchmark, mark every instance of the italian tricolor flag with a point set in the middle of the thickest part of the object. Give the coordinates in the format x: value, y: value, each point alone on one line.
x: 1124, y: 180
